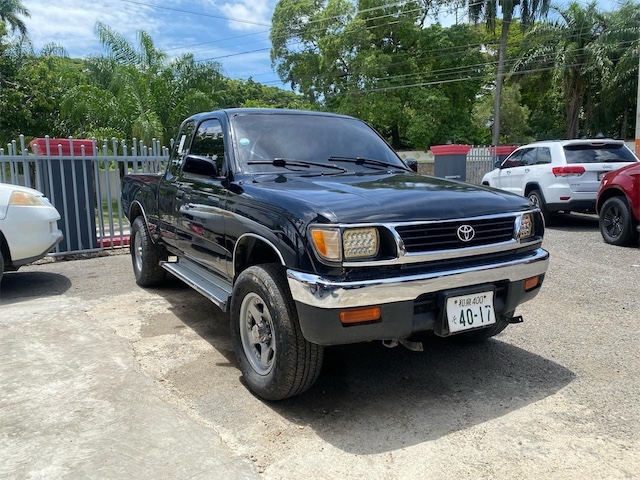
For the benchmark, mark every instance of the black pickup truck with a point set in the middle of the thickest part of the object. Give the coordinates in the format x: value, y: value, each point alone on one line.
x: 311, y: 231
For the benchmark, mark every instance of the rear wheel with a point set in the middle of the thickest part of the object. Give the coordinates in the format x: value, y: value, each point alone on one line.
x: 1, y: 262
x: 616, y: 223
x: 146, y: 256
x: 275, y: 359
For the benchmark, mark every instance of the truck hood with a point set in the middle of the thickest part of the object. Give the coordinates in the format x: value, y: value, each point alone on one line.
x: 375, y: 197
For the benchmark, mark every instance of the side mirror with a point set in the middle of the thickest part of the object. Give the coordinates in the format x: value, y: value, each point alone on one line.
x: 497, y: 163
x: 412, y: 164
x: 200, y: 165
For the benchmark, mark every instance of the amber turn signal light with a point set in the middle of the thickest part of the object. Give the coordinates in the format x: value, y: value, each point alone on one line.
x: 360, y: 315
x: 531, y: 283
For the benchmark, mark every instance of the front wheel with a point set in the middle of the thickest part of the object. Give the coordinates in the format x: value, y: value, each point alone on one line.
x: 146, y: 256
x: 616, y: 224
x: 538, y: 200
x: 275, y: 359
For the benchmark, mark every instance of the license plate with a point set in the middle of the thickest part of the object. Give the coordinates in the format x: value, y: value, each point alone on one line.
x: 465, y: 312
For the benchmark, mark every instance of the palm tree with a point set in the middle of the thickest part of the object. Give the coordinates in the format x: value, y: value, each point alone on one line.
x: 487, y: 10
x: 134, y: 90
x: 571, y: 46
x: 9, y: 13
x: 622, y: 43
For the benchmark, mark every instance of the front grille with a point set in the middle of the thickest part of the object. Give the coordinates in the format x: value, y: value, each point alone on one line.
x: 443, y: 236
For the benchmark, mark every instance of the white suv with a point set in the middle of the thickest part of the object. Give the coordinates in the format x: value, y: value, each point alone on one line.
x: 560, y: 175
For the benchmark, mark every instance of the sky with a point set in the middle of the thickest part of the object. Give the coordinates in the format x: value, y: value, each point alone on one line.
x: 235, y: 33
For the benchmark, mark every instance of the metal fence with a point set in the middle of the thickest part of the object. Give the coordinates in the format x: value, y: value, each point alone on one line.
x: 82, y: 180
x: 480, y: 160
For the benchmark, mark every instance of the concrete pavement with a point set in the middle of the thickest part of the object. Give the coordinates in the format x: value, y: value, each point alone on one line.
x: 74, y: 404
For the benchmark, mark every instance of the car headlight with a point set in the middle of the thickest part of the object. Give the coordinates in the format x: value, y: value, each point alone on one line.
x: 327, y: 243
x: 360, y: 242
x: 524, y: 226
x: 25, y: 199
x: 352, y: 243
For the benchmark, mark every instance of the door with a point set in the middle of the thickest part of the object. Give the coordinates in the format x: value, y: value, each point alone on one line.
x: 520, y: 172
x: 171, y: 192
x: 202, y: 213
x: 513, y: 161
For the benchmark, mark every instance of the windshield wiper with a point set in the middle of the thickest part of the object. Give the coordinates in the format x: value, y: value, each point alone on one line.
x: 286, y: 162
x: 364, y: 161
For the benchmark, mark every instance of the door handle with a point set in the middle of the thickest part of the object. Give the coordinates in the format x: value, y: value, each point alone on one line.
x: 508, y: 172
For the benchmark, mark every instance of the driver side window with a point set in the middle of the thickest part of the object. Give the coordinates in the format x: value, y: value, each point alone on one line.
x: 180, y: 147
x: 515, y: 160
x: 209, y: 142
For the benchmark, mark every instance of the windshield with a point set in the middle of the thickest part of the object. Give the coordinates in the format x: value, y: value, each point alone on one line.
x: 261, y: 138
x: 598, y: 153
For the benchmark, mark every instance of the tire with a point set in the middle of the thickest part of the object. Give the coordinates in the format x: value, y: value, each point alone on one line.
x: 275, y: 359
x: 146, y: 256
x: 483, y: 334
x: 538, y: 200
x: 616, y: 222
x: 1, y: 262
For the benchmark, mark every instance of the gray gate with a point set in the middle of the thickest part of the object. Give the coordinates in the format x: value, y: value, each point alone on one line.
x: 83, y: 182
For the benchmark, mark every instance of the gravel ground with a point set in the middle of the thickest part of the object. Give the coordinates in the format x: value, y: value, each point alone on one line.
x: 555, y: 397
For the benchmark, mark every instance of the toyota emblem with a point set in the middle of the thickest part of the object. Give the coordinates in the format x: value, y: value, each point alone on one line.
x: 466, y: 233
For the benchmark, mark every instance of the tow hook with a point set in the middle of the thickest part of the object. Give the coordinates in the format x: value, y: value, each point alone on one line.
x: 413, y: 346
x: 516, y: 319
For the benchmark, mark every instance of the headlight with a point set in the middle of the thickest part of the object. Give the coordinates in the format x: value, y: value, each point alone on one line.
x: 360, y: 242
x: 352, y: 243
x: 327, y: 243
x: 524, y: 226
x: 25, y: 199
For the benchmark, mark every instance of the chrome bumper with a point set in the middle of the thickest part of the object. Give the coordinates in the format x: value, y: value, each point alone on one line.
x: 320, y: 292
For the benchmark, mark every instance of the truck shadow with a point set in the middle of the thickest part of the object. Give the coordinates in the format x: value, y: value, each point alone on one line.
x: 25, y: 285
x: 367, y: 394
x: 575, y: 222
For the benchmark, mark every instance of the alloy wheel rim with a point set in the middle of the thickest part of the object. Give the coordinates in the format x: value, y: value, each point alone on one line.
x: 256, y: 333
x: 137, y: 252
x: 613, y: 221
x: 535, y: 200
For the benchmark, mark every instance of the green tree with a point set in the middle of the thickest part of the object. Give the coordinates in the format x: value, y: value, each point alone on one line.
x: 572, y: 48
x: 10, y: 13
x: 487, y: 10
x: 375, y: 60
x: 516, y: 128
x: 32, y: 87
x: 251, y: 94
x: 135, y: 91
x: 621, y: 40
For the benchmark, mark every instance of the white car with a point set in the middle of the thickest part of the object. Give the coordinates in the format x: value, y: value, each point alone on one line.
x: 28, y: 226
x: 560, y: 175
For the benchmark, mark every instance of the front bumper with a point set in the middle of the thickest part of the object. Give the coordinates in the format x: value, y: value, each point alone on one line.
x: 319, y: 300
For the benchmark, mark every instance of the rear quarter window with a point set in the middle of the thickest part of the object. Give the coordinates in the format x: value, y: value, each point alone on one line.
x: 598, y: 154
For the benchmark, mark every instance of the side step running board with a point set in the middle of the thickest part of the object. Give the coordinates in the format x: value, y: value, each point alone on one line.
x: 212, y: 287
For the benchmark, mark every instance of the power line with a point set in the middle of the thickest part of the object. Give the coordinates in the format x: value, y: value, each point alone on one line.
x: 441, y: 82
x: 450, y: 51
x: 201, y: 14
x: 318, y: 30
x: 366, y: 10
x: 460, y: 71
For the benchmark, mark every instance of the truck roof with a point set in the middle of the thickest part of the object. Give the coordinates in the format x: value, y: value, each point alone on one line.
x: 265, y: 111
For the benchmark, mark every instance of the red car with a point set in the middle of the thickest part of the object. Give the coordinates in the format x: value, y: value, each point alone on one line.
x: 618, y: 205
